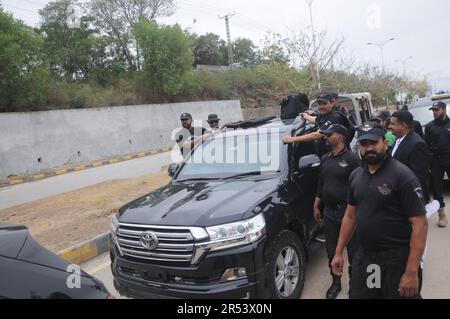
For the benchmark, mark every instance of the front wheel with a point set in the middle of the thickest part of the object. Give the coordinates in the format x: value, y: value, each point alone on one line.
x: 286, y: 266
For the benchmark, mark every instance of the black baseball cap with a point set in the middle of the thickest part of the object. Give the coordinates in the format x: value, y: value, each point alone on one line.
x: 372, y: 132
x: 438, y: 105
x: 325, y: 97
x: 384, y: 115
x: 335, y: 95
x: 213, y: 117
x: 335, y: 129
x: 186, y: 116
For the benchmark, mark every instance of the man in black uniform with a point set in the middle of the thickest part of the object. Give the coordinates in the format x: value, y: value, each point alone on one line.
x: 335, y: 171
x: 386, y: 208
x: 327, y: 116
x: 437, y: 136
x: 187, y: 136
x: 411, y: 149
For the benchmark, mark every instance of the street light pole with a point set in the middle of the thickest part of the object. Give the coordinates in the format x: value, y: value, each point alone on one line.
x: 381, y: 46
x: 310, y: 4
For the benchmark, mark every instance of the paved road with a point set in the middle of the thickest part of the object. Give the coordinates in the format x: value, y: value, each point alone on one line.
x: 20, y: 194
x: 436, y: 274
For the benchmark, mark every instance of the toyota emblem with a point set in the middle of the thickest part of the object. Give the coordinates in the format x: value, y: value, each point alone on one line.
x: 149, y: 240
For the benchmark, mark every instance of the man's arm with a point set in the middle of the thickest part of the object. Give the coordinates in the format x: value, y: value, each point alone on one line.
x: 305, y: 138
x: 409, y: 283
x: 419, y: 161
x: 347, y: 230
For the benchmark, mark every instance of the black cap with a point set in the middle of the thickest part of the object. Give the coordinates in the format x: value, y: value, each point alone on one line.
x: 335, y: 95
x: 213, y: 117
x: 186, y: 116
x: 325, y: 97
x: 384, y: 115
x: 438, y: 105
x: 372, y: 132
x: 335, y: 129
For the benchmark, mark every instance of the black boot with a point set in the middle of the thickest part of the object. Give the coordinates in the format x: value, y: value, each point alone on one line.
x: 335, y: 288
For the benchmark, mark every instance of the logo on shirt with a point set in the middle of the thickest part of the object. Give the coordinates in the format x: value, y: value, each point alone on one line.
x: 385, y: 189
x: 419, y: 192
x: 343, y: 164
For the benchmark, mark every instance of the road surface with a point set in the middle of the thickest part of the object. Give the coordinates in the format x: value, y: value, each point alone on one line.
x: 28, y: 192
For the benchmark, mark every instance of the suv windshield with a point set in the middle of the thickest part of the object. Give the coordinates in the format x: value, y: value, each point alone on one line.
x: 233, y: 156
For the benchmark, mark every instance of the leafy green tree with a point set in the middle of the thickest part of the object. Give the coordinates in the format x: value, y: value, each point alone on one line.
x: 209, y: 49
x: 71, y: 52
x: 23, y: 77
x: 244, y: 52
x: 118, y: 18
x: 167, y: 55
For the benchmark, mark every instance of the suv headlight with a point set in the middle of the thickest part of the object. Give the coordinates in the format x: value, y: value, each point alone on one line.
x: 114, y: 227
x: 235, y: 234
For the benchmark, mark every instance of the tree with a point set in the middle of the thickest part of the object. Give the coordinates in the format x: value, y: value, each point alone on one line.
x: 118, y: 18
x: 167, y: 55
x: 23, y: 77
x: 244, y: 52
x: 273, y: 50
x: 71, y: 52
x: 209, y: 49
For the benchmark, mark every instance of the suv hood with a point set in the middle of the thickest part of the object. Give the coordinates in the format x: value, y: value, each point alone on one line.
x: 201, y: 204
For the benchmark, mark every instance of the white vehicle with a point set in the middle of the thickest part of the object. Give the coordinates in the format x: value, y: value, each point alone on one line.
x: 358, y: 106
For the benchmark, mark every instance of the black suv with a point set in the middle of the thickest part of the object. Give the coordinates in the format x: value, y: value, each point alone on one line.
x: 224, y: 230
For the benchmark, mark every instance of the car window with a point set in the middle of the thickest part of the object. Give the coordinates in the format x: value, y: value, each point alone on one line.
x: 228, y: 155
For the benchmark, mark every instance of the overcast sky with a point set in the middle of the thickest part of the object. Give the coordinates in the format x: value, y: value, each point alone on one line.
x: 421, y: 28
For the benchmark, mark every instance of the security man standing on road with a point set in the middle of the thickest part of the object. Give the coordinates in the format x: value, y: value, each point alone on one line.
x: 335, y: 171
x: 327, y: 116
x: 387, y: 211
x: 411, y: 149
x: 437, y: 136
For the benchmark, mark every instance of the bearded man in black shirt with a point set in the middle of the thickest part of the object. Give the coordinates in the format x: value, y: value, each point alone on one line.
x: 387, y: 210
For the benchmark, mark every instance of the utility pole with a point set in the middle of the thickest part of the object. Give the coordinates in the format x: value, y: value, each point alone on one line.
x: 310, y: 4
x: 230, y: 51
x: 381, y: 46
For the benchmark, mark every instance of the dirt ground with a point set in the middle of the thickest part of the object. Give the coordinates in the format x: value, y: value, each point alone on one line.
x: 64, y: 220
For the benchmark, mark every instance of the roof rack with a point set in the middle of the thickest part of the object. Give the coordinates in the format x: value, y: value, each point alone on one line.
x: 251, y: 123
x: 440, y: 97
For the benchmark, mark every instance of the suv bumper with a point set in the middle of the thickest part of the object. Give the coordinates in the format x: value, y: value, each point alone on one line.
x: 138, y: 279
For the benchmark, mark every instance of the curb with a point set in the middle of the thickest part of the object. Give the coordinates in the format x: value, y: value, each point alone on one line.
x: 87, y: 250
x: 61, y: 171
x: 91, y: 248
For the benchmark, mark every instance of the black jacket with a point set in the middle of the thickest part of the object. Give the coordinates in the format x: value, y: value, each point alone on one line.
x: 437, y: 136
x: 413, y: 152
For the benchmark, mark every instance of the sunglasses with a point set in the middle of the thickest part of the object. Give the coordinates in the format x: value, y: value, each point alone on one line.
x: 214, y: 122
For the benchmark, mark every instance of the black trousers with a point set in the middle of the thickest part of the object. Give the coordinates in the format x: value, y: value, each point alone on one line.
x: 332, y: 223
x: 391, y: 264
x: 438, y: 168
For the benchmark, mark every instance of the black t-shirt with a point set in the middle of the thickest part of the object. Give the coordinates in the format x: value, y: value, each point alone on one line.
x: 324, y: 121
x: 184, y: 135
x: 334, y: 177
x: 437, y: 136
x: 385, y: 201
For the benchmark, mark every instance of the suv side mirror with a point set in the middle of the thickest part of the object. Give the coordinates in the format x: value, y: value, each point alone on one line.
x: 308, y: 162
x: 173, y: 168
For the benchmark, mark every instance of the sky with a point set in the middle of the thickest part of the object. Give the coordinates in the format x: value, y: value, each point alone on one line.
x: 420, y: 28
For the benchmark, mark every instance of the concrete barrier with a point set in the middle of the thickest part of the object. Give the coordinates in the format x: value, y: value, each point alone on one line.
x: 38, y: 141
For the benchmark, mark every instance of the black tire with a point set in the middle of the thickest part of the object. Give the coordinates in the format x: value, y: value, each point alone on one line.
x: 286, y: 240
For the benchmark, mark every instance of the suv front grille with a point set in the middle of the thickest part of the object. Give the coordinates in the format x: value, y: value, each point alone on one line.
x: 174, y: 244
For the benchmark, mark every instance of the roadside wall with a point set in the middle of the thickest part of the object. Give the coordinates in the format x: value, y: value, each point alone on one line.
x: 31, y: 142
